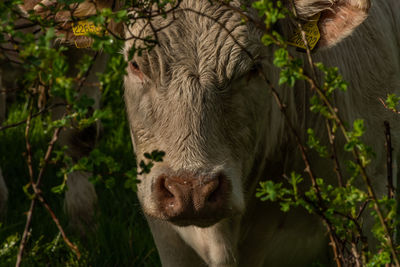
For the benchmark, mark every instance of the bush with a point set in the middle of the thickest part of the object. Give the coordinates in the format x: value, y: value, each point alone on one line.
x: 27, y: 149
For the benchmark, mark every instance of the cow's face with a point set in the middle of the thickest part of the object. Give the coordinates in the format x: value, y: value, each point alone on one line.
x: 198, y: 97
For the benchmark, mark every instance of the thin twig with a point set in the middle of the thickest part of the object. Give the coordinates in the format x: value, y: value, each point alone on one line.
x: 32, y: 206
x: 334, y: 156
x: 386, y: 106
x: 356, y: 254
x: 37, y: 195
x: 305, y: 41
x: 337, y: 256
x: 25, y: 234
x: 319, y: 210
x: 33, y: 116
x: 356, y: 155
x: 282, y: 108
x: 28, y: 144
x: 308, y: 169
x: 314, y: 76
x: 362, y: 208
x: 9, y: 90
x: 47, y: 155
x: 57, y: 223
x: 389, y: 159
x: 86, y: 74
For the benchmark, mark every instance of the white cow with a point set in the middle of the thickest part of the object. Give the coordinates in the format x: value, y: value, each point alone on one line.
x: 196, y: 97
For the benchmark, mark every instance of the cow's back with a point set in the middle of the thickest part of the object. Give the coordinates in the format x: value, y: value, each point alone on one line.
x: 369, y: 61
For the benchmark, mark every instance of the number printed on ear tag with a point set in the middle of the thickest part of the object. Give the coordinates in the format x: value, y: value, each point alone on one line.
x: 82, y: 28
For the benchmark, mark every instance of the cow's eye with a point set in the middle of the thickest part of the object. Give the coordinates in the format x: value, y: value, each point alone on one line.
x: 135, y: 69
x: 253, y: 71
x: 133, y: 66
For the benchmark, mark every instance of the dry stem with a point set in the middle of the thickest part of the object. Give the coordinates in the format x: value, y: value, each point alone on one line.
x: 37, y: 192
x: 389, y: 159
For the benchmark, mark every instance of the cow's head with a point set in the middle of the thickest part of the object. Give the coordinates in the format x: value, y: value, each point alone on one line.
x: 198, y: 97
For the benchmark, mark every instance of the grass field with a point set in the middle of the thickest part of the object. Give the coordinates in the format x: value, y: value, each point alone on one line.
x: 120, y: 237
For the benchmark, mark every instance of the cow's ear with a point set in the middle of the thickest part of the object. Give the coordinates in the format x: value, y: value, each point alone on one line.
x: 78, y: 11
x: 338, y: 18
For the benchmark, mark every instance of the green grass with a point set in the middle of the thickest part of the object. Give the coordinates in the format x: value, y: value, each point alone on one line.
x: 121, y: 236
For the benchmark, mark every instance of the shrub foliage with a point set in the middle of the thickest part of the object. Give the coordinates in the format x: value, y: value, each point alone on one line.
x: 36, y: 168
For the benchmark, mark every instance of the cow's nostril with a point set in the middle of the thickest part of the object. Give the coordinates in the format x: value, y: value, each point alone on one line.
x: 216, y: 193
x: 213, y: 194
x: 164, y: 188
x: 173, y: 195
x: 168, y: 189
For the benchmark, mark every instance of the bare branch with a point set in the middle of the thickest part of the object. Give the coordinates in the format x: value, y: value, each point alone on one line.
x: 391, y: 109
x: 389, y: 159
x: 334, y: 157
x: 57, y: 222
x: 33, y: 116
x: 32, y: 206
x: 37, y: 192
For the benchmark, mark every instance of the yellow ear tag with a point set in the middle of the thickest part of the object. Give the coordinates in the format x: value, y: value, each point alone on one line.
x: 83, y: 28
x: 312, y: 34
x: 83, y: 44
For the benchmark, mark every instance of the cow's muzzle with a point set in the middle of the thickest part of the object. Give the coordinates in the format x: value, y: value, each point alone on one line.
x: 193, y: 200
